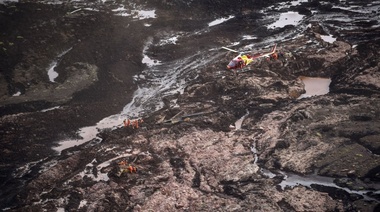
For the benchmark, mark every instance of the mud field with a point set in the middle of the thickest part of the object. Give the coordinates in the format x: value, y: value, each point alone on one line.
x: 301, y: 133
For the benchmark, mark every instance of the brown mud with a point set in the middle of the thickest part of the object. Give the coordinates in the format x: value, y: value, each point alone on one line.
x: 199, y: 163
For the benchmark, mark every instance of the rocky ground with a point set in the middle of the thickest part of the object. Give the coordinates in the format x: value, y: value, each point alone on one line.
x: 195, y: 163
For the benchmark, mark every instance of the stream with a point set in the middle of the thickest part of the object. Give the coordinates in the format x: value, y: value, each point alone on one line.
x: 164, y: 79
x: 290, y: 180
x: 313, y: 87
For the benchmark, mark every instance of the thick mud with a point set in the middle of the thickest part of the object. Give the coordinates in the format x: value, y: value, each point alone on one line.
x: 72, y: 72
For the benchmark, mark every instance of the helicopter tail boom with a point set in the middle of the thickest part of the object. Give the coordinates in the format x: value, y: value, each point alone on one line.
x: 274, y: 48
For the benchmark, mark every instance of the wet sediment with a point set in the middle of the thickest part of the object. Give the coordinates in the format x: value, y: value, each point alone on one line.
x: 196, y: 162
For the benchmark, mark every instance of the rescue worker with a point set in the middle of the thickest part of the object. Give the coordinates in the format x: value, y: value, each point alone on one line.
x: 127, y: 123
x: 137, y: 123
x: 132, y: 169
x: 124, y: 168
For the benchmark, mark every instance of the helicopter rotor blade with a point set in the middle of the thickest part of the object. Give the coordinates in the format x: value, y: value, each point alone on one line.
x: 230, y: 49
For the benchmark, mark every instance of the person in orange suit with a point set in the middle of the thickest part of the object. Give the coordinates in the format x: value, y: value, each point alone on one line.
x: 132, y: 169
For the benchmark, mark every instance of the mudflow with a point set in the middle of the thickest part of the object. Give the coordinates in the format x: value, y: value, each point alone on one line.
x: 210, y: 139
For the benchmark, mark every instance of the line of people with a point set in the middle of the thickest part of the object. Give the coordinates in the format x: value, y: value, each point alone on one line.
x: 133, y: 123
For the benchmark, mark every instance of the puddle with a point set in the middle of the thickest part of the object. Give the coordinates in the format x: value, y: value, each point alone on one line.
x: 286, y: 5
x: 239, y: 122
x: 254, y: 151
x: 51, y: 72
x: 146, y: 59
x: 49, y: 109
x: 89, y: 133
x: 138, y: 14
x: 145, y: 14
x: 82, y: 204
x: 249, y: 37
x: 172, y: 40
x: 100, y: 176
x: 328, y: 38
x: 315, y: 86
x: 220, y: 20
x: 291, y: 180
x: 17, y: 94
x: 288, y: 18
x: 298, y: 2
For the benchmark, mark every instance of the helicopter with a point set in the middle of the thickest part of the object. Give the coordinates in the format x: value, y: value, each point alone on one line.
x: 244, y: 59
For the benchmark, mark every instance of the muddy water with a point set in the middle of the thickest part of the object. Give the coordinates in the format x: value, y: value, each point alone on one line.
x: 288, y: 18
x: 240, y: 121
x: 51, y: 72
x: 290, y: 180
x: 155, y: 82
x: 315, y: 86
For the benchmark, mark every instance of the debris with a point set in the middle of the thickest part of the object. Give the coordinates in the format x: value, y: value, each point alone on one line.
x: 160, y: 119
x: 77, y: 10
x: 179, y: 117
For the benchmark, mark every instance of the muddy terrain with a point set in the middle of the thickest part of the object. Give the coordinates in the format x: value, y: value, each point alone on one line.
x: 210, y: 139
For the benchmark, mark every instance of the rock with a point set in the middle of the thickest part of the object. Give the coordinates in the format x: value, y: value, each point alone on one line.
x: 295, y: 92
x: 351, y: 173
x: 372, y: 143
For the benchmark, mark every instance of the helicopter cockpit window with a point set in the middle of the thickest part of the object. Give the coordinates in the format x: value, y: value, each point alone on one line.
x: 233, y: 63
